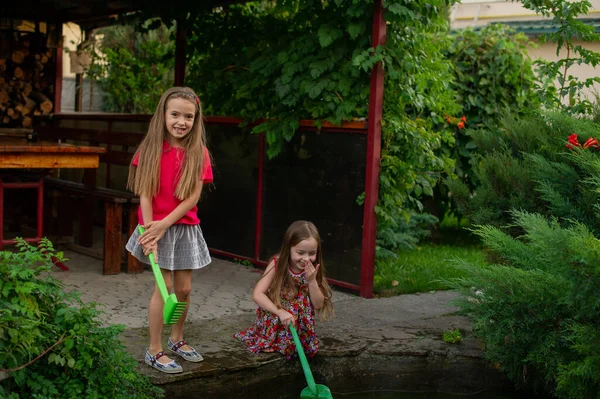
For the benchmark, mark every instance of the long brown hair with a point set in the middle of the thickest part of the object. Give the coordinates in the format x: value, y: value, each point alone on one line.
x: 151, y: 148
x: 282, y: 281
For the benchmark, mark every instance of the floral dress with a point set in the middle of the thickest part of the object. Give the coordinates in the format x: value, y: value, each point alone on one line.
x: 269, y: 335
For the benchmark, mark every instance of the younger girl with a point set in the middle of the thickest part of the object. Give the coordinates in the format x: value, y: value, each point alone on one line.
x: 291, y: 288
x: 168, y: 172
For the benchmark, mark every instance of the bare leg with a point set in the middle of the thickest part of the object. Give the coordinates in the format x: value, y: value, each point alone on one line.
x: 183, y: 288
x: 155, y: 317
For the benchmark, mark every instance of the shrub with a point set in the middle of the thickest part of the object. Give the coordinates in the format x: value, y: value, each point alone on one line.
x: 537, y: 309
x: 529, y: 165
x: 52, y: 345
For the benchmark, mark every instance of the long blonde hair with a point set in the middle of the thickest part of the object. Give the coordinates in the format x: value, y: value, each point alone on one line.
x: 283, y: 282
x: 150, y: 150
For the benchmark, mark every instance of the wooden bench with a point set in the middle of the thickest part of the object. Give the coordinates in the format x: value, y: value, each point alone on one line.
x: 117, y: 202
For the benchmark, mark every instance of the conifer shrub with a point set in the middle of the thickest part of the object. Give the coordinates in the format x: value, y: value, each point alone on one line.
x: 53, y: 345
x: 545, y: 162
x: 537, y: 308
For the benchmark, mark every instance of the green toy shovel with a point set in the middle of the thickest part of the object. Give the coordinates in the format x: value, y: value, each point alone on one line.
x: 172, y: 310
x: 312, y: 390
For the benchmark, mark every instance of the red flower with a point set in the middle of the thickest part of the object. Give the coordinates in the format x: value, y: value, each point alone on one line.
x: 464, y: 119
x: 460, y: 125
x: 591, y: 142
x: 572, y: 142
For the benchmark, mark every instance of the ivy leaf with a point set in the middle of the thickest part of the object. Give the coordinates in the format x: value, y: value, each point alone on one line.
x: 328, y: 35
x: 282, y: 90
x: 355, y: 30
x: 314, y: 91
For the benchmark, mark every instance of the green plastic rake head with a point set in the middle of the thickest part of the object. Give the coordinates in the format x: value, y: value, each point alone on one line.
x: 173, y: 309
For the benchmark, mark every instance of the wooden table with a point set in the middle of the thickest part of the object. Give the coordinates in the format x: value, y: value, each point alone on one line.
x: 16, y: 153
x: 19, y: 154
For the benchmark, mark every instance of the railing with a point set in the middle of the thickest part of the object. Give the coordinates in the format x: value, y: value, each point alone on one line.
x: 251, y: 189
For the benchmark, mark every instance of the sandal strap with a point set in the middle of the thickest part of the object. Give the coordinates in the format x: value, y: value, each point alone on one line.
x: 179, y: 344
x: 155, y: 358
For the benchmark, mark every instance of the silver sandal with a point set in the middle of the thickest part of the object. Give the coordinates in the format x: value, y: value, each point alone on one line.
x: 170, y: 368
x: 190, y: 356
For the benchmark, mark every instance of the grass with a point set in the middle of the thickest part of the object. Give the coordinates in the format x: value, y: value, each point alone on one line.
x: 422, y: 270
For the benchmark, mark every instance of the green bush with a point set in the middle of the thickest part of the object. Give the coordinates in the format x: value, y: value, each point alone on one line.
x: 52, y: 345
x: 537, y: 309
x: 492, y: 74
x: 134, y: 68
x: 527, y: 165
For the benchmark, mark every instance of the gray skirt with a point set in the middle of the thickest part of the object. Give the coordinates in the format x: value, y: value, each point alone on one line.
x: 181, y: 248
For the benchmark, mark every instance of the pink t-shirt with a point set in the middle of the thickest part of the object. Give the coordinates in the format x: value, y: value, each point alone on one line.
x: 166, y: 201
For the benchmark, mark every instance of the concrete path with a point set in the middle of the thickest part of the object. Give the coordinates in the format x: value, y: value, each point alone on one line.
x: 376, y: 344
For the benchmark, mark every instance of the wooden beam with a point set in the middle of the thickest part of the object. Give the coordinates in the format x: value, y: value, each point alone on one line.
x: 48, y: 161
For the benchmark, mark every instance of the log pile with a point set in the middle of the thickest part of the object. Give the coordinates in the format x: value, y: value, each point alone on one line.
x: 27, y: 78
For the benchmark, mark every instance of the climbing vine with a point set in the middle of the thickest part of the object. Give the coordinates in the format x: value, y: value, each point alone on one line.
x: 287, y: 60
x: 291, y: 60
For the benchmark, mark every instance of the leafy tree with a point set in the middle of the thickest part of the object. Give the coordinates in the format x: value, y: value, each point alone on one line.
x: 566, y: 15
x: 493, y: 75
x: 133, y: 68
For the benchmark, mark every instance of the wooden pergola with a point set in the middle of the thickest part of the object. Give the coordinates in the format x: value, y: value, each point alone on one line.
x: 95, y: 13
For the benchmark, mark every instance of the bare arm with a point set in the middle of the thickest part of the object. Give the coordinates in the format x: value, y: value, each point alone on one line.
x: 259, y: 296
x: 146, y: 205
x: 316, y: 295
x: 155, y: 230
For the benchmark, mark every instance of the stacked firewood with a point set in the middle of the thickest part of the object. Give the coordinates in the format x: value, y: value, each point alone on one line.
x: 27, y: 74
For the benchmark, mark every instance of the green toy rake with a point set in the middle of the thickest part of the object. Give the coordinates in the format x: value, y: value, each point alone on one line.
x: 173, y: 309
x: 312, y: 391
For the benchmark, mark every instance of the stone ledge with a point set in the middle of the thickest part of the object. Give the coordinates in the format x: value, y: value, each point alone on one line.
x: 392, y: 344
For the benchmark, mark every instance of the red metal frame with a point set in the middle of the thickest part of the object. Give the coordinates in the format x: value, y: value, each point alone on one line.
x: 367, y: 268
x: 39, y: 185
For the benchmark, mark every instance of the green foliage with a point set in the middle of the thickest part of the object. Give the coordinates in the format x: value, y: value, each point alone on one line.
x: 537, y: 308
x: 52, y: 345
x: 291, y: 60
x: 493, y: 74
x: 526, y: 165
x: 417, y: 96
x: 427, y: 267
x: 572, y: 32
x: 133, y: 68
x: 452, y: 336
x: 283, y: 61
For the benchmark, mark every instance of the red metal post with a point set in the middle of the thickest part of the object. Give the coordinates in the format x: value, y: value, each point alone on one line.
x: 59, y: 69
x: 367, y: 267
x: 259, y: 196
x: 180, y: 39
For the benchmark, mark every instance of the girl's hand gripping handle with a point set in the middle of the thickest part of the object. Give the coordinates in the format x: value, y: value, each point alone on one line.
x: 160, y: 281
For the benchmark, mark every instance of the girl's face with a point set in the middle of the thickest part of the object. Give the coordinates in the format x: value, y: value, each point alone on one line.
x: 301, y: 253
x: 179, y: 118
